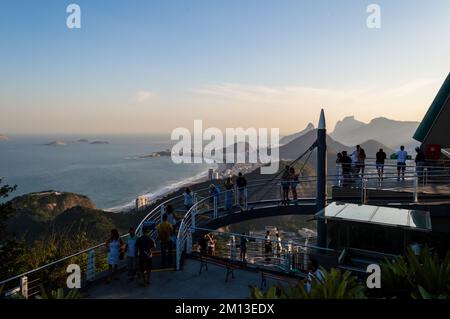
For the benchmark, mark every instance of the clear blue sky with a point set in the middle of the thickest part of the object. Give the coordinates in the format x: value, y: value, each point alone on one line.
x: 208, y: 58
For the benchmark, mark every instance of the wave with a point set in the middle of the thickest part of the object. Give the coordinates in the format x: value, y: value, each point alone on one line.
x: 158, y: 194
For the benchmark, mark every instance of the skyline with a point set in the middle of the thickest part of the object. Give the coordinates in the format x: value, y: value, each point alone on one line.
x: 152, y: 67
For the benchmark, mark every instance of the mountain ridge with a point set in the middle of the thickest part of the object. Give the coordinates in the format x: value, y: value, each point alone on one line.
x: 391, y: 133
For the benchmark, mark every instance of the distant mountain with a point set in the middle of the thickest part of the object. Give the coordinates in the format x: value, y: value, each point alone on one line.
x: 294, y: 149
x: 49, y: 204
x: 371, y: 148
x: 392, y: 133
x: 39, y: 214
x: 290, y: 138
x: 3, y: 138
x: 35, y: 211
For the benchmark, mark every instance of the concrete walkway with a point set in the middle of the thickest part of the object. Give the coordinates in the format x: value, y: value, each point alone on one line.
x: 183, y: 284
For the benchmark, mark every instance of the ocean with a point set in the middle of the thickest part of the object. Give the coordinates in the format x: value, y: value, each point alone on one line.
x: 112, y: 174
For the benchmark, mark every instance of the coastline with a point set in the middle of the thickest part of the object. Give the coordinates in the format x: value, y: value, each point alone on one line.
x: 199, y: 180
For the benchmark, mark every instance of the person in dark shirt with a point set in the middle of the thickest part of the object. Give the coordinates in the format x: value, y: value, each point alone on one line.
x: 243, y: 247
x: 203, y: 243
x: 420, y: 162
x: 144, y: 246
x: 346, y: 163
x: 285, y: 185
x: 267, y: 246
x: 380, y: 158
x: 241, y: 183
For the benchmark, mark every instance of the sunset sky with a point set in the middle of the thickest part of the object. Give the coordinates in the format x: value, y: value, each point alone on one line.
x: 151, y: 66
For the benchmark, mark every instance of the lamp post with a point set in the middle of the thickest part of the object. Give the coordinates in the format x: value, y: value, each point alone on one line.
x: 321, y: 199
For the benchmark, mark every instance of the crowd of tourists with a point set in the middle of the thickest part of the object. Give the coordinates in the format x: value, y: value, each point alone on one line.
x: 138, y: 250
x: 352, y: 166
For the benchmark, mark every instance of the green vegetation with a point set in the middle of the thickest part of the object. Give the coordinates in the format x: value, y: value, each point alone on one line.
x: 336, y: 285
x: 420, y: 277
x: 64, y: 235
x: 10, y: 248
x: 59, y: 294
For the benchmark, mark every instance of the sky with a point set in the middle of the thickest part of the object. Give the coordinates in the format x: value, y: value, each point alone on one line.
x: 152, y: 66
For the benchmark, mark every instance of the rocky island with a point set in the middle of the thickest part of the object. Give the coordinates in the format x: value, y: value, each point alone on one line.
x: 3, y: 138
x: 83, y: 141
x: 56, y: 143
x: 166, y: 152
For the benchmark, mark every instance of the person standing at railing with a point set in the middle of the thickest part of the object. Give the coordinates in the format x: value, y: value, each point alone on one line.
x: 354, y: 157
x: 188, y: 198
x: 214, y: 193
x: 211, y: 244
x: 229, y: 194
x: 362, y: 161
x: 294, y: 184
x: 339, y: 169
x: 278, y: 244
x: 241, y: 183
x: 314, y: 275
x: 130, y: 248
x: 379, y: 162
x: 285, y: 185
x: 243, y: 247
x: 359, y: 158
x: 346, y: 163
x: 115, y: 246
x: 267, y: 246
x: 420, y: 162
x: 144, y: 246
x: 402, y: 156
x: 172, y: 218
x: 165, y: 231
x: 203, y: 244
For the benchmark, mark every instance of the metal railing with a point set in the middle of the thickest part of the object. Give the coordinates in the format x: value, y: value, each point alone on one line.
x: 92, y: 260
x: 259, y: 193
x: 271, y: 254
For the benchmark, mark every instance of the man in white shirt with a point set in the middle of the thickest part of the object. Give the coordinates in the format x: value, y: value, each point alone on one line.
x: 402, y: 156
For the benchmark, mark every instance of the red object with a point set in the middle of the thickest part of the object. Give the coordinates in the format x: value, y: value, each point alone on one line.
x: 433, y: 152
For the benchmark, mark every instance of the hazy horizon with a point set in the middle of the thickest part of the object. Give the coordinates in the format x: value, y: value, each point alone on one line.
x: 150, y: 67
x: 98, y: 135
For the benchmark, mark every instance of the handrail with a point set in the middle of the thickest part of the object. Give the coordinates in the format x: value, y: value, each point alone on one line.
x: 56, y: 262
x: 262, y: 239
x: 185, y: 219
x: 153, y: 211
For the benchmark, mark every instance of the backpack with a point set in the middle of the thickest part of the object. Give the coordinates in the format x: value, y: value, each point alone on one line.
x: 362, y: 154
x: 164, y: 231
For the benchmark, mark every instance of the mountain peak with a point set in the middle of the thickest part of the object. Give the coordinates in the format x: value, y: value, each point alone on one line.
x: 389, y: 132
x: 292, y: 137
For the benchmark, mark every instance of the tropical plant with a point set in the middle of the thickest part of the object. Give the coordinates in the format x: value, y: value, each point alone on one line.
x: 426, y: 276
x: 59, y: 294
x: 335, y: 285
x: 10, y: 249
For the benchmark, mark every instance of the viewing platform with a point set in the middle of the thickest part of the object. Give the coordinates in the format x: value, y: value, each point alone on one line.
x: 184, y: 284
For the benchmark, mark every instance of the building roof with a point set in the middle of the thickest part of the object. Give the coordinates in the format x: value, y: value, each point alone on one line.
x: 383, y: 216
x: 433, y: 128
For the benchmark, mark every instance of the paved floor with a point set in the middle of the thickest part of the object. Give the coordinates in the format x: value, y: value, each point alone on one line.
x: 183, y: 284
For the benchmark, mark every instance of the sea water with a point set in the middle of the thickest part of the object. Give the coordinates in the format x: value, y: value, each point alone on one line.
x: 112, y: 174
